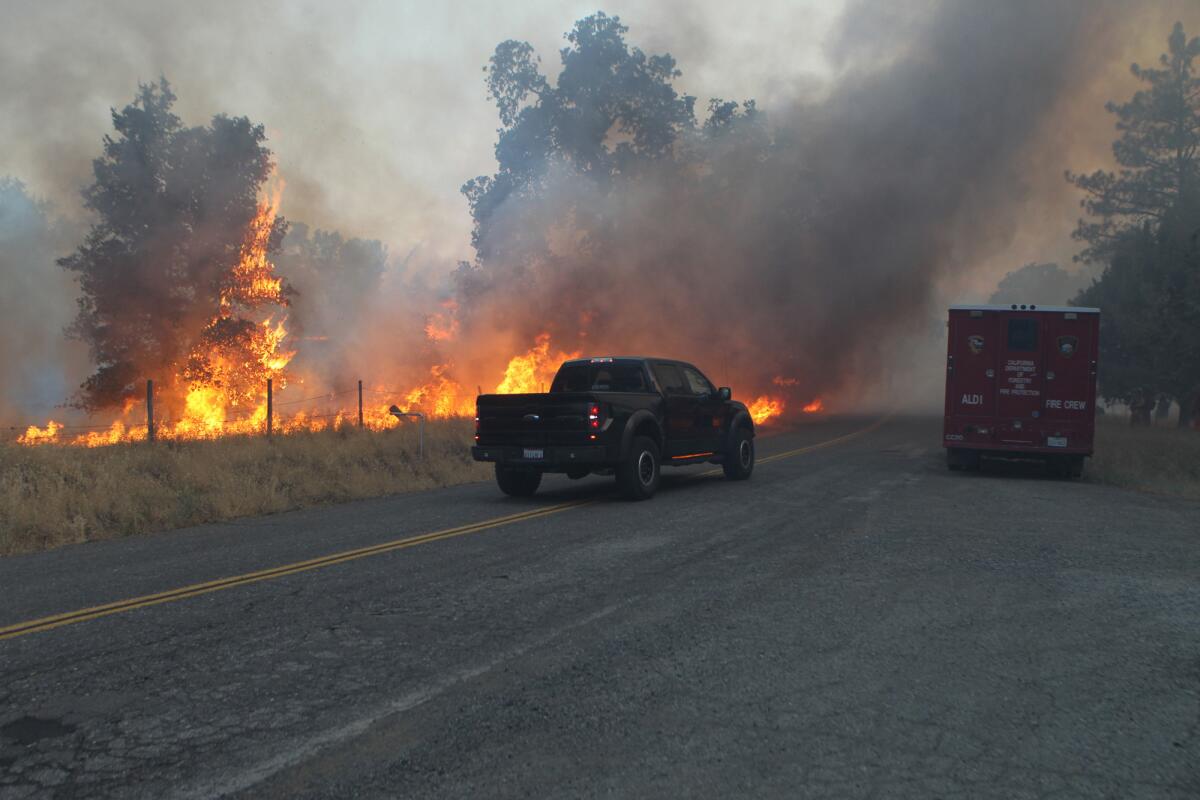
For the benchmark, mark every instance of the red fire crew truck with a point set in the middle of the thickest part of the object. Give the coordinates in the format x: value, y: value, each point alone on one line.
x: 1021, y: 383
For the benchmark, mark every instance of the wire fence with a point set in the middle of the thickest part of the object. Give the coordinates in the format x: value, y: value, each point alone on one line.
x: 278, y: 415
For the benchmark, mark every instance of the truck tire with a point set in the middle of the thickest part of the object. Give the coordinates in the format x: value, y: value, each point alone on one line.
x: 1065, y: 467
x: 517, y: 482
x: 638, y: 477
x: 958, y: 459
x: 738, y: 463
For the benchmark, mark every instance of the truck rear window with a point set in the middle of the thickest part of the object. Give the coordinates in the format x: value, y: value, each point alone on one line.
x: 1022, y: 335
x: 616, y: 376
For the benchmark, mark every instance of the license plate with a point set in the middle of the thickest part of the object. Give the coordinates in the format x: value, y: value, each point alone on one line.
x: 1056, y: 441
x: 537, y: 454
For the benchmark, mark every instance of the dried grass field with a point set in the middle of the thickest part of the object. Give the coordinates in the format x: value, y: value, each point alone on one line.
x: 55, y: 495
x: 1161, y: 459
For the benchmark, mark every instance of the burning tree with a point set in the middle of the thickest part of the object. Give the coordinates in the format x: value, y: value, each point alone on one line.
x: 174, y: 275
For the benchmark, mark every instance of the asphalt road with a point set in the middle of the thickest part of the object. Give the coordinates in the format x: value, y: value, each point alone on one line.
x: 853, y: 621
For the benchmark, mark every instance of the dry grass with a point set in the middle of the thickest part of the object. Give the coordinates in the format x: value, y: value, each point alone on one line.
x: 51, y: 495
x: 1162, y: 459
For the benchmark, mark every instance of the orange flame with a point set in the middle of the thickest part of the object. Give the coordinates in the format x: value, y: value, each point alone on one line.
x: 814, y: 407
x: 442, y: 396
x: 533, y: 371
x: 35, y: 435
x: 765, y: 408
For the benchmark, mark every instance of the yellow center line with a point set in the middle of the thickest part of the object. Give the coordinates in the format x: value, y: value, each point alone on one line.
x: 181, y: 593
x: 196, y: 589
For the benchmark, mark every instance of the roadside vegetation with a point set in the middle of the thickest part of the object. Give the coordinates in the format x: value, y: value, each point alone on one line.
x: 55, y: 495
x: 1161, y: 459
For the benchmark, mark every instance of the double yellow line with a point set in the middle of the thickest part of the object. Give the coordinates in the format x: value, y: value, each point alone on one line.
x: 196, y: 589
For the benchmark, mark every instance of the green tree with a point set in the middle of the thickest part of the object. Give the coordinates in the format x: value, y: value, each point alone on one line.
x: 172, y: 207
x: 1145, y: 223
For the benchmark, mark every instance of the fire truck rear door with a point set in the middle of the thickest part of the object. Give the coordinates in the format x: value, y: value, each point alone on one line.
x: 1020, y: 375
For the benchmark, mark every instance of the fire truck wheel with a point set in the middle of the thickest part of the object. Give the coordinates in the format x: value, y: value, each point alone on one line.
x: 738, y: 463
x: 1075, y: 469
x: 517, y: 482
x: 959, y: 459
x: 638, y: 476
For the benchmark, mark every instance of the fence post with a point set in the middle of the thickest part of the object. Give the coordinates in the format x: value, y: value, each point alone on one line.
x: 270, y: 408
x: 360, y: 414
x: 150, y: 410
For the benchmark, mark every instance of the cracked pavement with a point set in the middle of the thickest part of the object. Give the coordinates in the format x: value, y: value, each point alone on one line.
x: 855, y: 621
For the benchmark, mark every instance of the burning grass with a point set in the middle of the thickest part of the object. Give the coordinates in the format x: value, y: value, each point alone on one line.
x: 1162, y: 460
x: 55, y: 495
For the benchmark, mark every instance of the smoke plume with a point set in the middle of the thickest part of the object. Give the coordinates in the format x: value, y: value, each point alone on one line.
x: 794, y: 244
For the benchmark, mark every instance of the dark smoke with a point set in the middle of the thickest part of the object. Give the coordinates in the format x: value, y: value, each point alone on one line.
x: 796, y: 243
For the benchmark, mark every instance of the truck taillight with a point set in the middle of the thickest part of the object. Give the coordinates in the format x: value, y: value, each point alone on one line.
x: 594, y: 416
x: 477, y: 429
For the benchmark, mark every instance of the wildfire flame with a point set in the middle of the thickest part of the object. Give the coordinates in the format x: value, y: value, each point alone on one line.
x: 219, y: 390
x: 765, y: 408
x: 441, y: 396
x: 35, y: 435
x: 533, y: 371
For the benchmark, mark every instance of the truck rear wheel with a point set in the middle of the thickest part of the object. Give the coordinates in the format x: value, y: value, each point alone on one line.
x: 1066, y: 467
x: 959, y: 459
x: 738, y: 463
x: 638, y: 476
x: 517, y: 482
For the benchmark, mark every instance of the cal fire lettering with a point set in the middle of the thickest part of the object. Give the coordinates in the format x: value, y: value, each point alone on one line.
x: 1070, y: 405
x: 1020, y: 373
x: 972, y: 400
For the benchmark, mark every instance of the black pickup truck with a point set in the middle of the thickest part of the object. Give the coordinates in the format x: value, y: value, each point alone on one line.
x: 625, y: 416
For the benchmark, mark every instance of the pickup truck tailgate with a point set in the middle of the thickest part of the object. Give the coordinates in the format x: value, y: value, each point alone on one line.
x: 532, y: 419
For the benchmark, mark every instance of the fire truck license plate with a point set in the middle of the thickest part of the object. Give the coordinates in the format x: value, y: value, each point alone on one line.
x: 1051, y: 441
x: 539, y: 454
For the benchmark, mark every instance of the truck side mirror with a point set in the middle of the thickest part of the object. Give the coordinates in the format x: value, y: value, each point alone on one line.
x: 724, y: 393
